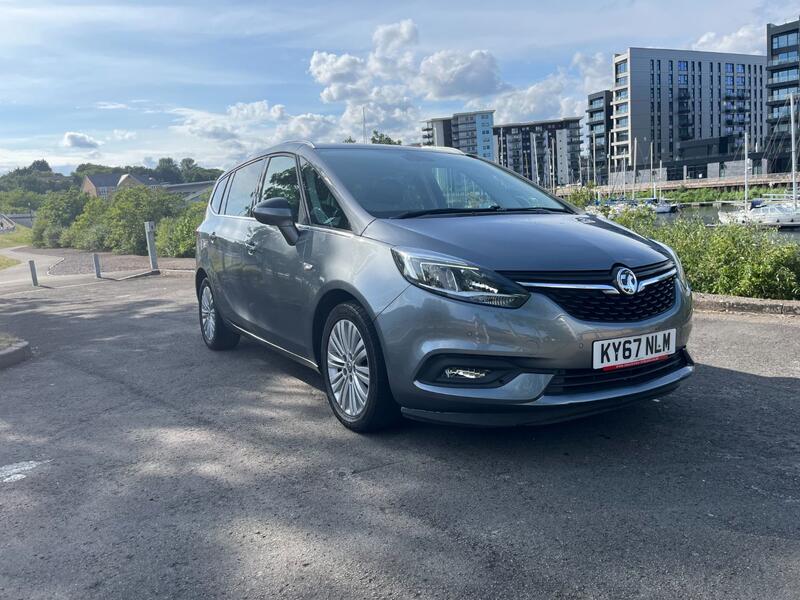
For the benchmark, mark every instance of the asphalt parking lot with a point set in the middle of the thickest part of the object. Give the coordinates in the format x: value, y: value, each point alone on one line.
x: 155, y: 468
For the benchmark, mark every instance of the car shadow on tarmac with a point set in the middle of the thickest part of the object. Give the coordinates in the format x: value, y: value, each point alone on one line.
x: 175, y: 471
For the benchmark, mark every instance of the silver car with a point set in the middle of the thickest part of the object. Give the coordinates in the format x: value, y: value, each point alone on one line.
x: 431, y: 284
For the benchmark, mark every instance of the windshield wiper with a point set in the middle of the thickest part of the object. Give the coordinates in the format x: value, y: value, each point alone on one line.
x: 447, y: 211
x: 537, y: 209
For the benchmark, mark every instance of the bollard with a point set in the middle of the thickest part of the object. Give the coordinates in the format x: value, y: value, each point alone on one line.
x: 34, y: 279
x: 96, y: 261
x: 150, y: 232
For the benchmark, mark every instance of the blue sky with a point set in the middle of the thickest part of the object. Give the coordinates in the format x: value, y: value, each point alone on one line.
x: 128, y: 82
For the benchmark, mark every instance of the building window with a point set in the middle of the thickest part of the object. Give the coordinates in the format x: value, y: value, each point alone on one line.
x: 740, y: 68
x: 729, y: 67
x: 683, y: 65
x: 783, y: 40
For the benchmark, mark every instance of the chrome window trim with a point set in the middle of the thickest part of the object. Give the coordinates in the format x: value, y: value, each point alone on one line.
x: 603, y: 287
x: 342, y: 232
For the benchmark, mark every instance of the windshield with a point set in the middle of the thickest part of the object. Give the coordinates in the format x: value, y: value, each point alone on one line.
x: 398, y: 183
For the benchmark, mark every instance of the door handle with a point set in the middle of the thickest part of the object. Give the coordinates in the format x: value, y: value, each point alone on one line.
x: 212, y: 237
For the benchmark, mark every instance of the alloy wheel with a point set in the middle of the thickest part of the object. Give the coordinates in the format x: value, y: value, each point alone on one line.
x: 348, y: 367
x: 208, y: 316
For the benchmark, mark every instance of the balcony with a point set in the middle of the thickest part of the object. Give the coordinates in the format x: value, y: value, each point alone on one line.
x: 785, y: 77
x: 737, y: 95
x: 777, y: 62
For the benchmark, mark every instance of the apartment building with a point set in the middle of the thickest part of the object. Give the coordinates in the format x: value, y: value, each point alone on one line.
x: 598, y: 126
x: 672, y: 97
x: 546, y: 152
x: 470, y: 132
x: 783, y: 68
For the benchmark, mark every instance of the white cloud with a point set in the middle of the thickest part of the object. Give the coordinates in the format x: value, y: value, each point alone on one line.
x: 455, y: 74
x: 594, y: 71
x: 392, y: 55
x: 123, y: 135
x: 73, y: 139
x: 110, y: 105
x: 541, y: 100
x: 749, y: 39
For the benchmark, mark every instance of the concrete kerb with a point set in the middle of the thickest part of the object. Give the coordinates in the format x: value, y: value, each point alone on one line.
x: 16, y: 353
x: 738, y: 304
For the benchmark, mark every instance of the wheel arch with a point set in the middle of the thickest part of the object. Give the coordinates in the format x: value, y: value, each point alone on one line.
x: 199, y: 276
x: 327, y: 302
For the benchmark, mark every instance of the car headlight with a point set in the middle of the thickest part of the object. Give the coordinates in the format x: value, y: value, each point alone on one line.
x: 454, y: 278
x: 678, y: 266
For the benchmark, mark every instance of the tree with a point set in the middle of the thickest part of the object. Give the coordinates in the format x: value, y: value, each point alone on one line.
x: 382, y: 138
x: 41, y: 166
x: 191, y: 171
x: 57, y: 212
x: 37, y: 178
x: 187, y: 165
x: 128, y: 211
x: 348, y: 140
x: 167, y: 171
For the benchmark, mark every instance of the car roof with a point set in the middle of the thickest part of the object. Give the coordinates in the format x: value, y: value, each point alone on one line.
x: 297, y: 146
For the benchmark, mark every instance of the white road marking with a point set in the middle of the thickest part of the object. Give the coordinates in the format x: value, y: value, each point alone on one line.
x: 15, y: 472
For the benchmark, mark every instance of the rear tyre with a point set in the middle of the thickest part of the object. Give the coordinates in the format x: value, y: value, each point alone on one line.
x: 216, y: 333
x: 354, y: 372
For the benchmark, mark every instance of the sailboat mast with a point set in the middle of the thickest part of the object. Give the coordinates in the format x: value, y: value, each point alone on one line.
x: 794, y: 152
x: 635, y: 152
x: 652, y: 178
x: 746, y: 187
x: 660, y: 171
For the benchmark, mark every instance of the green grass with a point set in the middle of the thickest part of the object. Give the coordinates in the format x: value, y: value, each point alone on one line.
x: 6, y: 262
x: 20, y: 237
x: 6, y: 340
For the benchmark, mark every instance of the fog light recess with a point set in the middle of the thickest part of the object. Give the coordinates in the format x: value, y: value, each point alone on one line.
x: 465, y: 374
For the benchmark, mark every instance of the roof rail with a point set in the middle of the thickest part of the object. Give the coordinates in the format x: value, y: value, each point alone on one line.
x: 306, y: 142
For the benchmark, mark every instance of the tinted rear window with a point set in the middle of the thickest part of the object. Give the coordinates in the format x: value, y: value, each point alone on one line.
x: 243, y: 189
x: 219, y: 192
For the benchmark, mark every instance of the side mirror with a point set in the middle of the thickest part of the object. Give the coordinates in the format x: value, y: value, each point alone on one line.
x: 277, y: 212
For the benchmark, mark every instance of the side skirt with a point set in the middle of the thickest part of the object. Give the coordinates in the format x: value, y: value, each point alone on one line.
x: 287, y: 353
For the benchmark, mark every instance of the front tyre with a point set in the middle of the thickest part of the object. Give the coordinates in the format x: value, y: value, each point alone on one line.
x: 354, y: 371
x: 216, y: 334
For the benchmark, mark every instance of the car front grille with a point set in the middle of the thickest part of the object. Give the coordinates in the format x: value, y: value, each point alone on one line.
x: 577, y: 381
x: 594, y: 304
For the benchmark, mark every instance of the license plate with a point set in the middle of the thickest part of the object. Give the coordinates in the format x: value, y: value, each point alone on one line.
x: 635, y: 350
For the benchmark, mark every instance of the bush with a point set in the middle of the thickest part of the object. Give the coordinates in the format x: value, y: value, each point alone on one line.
x: 175, y: 236
x: 57, y: 212
x: 90, y: 230
x: 740, y: 260
x: 582, y: 196
x: 128, y: 211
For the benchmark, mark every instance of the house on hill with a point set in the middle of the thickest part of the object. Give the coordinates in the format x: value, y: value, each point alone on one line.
x: 132, y: 180
x: 104, y: 185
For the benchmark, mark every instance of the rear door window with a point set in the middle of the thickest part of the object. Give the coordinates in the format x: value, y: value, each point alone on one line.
x: 243, y: 189
x: 219, y: 193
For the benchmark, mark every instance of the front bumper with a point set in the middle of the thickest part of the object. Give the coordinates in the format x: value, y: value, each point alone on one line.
x: 419, y: 326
